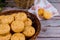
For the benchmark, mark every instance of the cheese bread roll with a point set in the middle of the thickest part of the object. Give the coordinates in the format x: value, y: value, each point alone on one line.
x: 18, y: 36
x: 29, y: 31
x: 7, y: 19
x: 21, y: 16
x: 5, y: 37
x: 4, y: 28
x: 28, y: 22
x: 17, y: 26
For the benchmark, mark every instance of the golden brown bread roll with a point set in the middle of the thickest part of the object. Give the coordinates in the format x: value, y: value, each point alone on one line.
x: 28, y: 22
x: 40, y: 11
x: 7, y: 19
x: 14, y: 14
x: 18, y: 36
x: 47, y: 15
x: 21, y: 16
x: 4, y: 28
x: 29, y: 31
x: 5, y: 37
x: 17, y: 26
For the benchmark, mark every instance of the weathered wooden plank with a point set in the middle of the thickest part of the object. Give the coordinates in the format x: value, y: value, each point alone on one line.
x: 54, y: 1
x: 49, y: 23
x: 48, y: 39
x: 50, y: 32
x: 55, y: 18
x: 56, y: 5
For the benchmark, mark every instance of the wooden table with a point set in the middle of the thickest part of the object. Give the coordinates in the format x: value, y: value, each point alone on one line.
x: 50, y: 29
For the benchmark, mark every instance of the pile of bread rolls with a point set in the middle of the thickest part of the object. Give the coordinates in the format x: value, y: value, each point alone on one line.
x: 16, y: 26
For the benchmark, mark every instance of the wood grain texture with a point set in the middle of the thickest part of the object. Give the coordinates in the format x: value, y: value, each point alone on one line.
x: 50, y: 32
x: 56, y: 5
x: 54, y: 1
x: 48, y: 39
x: 50, y: 23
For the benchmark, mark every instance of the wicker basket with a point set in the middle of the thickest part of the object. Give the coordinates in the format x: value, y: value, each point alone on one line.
x: 24, y: 3
x: 36, y: 23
